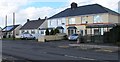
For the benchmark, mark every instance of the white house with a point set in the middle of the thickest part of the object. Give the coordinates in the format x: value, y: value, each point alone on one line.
x: 59, y: 23
x: 0, y: 32
x: 34, y: 27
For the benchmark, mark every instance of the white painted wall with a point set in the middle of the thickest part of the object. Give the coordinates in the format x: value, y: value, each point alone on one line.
x: 53, y: 23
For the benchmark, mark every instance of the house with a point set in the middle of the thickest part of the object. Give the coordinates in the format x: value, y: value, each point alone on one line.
x: 0, y: 32
x: 11, y: 30
x: 34, y: 27
x: 89, y: 19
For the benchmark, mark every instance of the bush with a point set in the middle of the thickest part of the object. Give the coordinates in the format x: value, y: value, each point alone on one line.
x: 47, y: 32
x: 52, y: 32
x: 56, y: 31
x: 113, y: 35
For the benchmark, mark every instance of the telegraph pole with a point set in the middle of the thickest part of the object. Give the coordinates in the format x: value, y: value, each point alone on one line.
x: 13, y: 26
x: 6, y: 26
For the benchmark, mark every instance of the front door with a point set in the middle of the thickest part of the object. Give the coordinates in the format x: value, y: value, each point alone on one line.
x: 71, y: 31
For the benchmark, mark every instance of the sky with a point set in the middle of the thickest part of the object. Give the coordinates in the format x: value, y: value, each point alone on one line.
x: 34, y: 9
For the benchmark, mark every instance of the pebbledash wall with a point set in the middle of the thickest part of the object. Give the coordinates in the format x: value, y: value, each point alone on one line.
x: 80, y: 24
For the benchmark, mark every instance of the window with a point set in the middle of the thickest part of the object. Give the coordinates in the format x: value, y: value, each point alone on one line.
x: 53, y: 22
x: 71, y: 20
x: 59, y: 22
x: 42, y: 32
x: 97, y: 19
x: 81, y: 31
x: 85, y: 32
x: 27, y: 32
x: 96, y: 31
x: 32, y: 32
x: 84, y: 19
x: 22, y: 31
x: 50, y: 22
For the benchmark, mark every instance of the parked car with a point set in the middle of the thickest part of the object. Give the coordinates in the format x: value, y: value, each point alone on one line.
x: 73, y: 37
x: 27, y: 36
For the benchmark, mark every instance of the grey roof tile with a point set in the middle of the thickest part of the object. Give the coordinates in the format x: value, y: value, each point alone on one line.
x: 32, y: 24
x: 83, y: 10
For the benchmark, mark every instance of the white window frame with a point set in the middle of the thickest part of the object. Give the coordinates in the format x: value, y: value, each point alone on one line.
x: 59, y: 22
x: 71, y: 21
x: 84, y: 19
x: 97, y: 19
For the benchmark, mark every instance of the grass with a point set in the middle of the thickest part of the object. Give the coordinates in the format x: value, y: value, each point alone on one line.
x: 11, y: 39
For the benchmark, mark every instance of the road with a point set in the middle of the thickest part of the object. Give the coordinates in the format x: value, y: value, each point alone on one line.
x: 56, y: 50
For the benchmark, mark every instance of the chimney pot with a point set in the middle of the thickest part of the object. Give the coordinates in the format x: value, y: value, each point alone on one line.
x: 28, y: 20
x: 39, y: 18
x: 73, y: 5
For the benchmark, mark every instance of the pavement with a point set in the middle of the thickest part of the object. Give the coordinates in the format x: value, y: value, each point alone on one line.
x: 105, y: 48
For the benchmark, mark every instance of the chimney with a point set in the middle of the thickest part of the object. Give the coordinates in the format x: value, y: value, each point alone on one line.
x: 28, y: 20
x: 45, y: 17
x: 73, y: 5
x: 39, y: 18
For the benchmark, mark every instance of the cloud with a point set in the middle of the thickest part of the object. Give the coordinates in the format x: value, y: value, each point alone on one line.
x: 7, y: 7
x: 32, y: 13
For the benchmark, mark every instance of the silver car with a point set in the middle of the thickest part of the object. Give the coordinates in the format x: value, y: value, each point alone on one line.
x: 73, y: 37
x: 27, y: 36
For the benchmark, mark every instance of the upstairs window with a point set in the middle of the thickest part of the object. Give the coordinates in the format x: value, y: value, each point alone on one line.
x: 97, y: 19
x: 59, y: 21
x: 71, y: 21
x: 50, y: 22
x: 84, y: 19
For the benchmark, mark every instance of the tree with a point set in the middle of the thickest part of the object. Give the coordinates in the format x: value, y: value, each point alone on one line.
x: 47, y: 32
x: 56, y: 31
x: 52, y: 32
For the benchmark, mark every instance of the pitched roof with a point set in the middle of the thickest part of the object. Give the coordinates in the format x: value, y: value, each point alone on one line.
x: 0, y: 28
x: 33, y: 24
x: 84, y: 10
x: 9, y: 28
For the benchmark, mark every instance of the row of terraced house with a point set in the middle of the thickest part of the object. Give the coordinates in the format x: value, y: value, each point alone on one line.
x: 91, y: 19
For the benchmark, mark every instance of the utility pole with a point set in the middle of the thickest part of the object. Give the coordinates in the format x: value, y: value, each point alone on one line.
x: 6, y: 26
x: 13, y: 26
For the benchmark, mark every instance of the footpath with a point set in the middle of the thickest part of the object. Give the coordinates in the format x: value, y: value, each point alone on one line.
x: 107, y: 48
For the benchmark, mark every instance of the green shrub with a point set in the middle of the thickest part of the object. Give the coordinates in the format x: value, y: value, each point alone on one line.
x: 52, y: 32
x: 113, y: 35
x: 47, y: 32
x: 56, y: 31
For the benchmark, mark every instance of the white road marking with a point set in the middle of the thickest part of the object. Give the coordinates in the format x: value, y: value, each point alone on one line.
x: 79, y: 57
